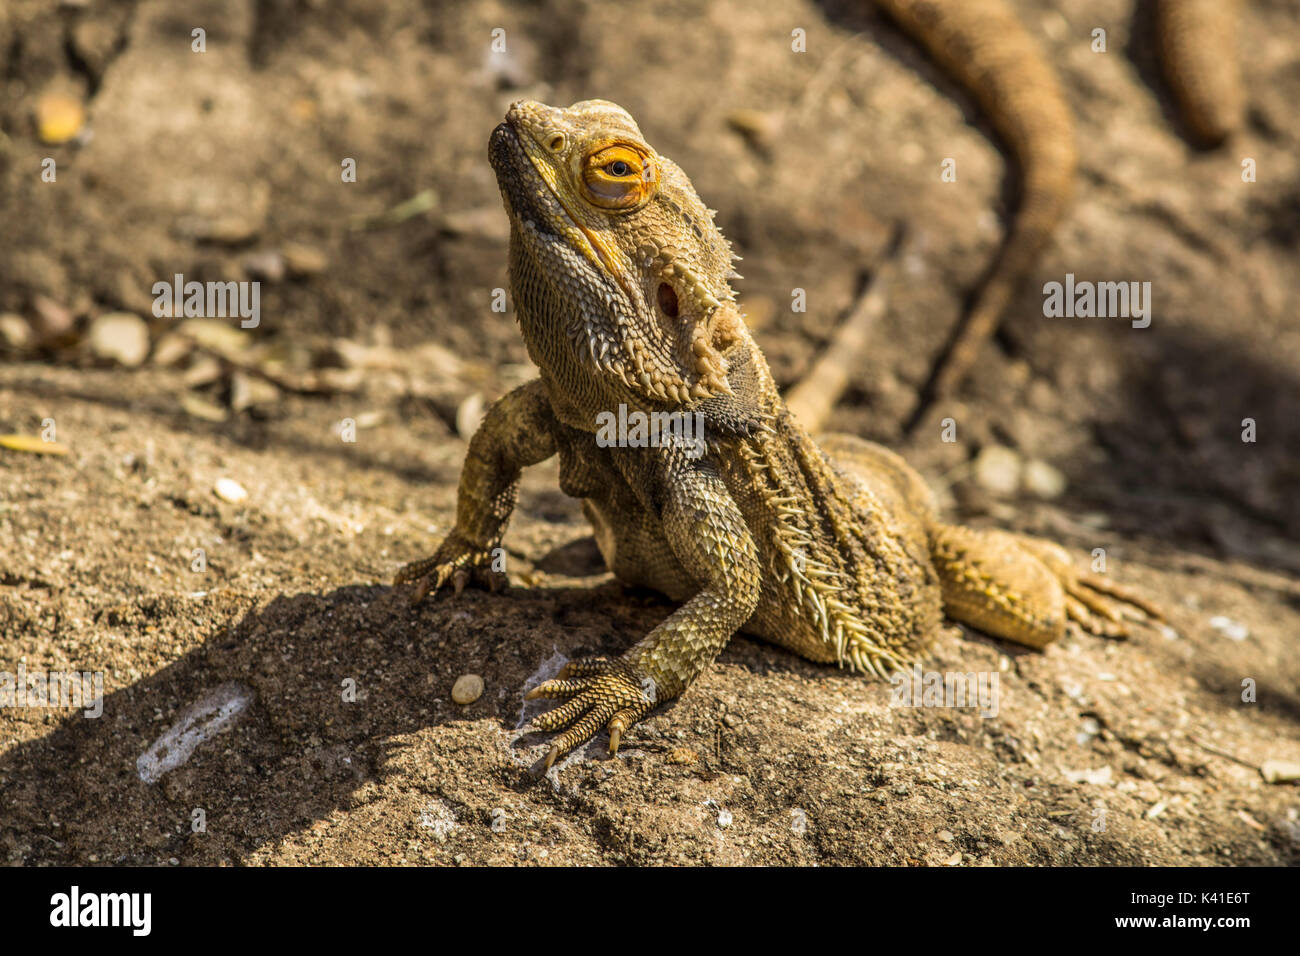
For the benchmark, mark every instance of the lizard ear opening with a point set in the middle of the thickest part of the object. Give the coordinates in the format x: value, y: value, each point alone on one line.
x: 702, y: 347
x: 667, y: 297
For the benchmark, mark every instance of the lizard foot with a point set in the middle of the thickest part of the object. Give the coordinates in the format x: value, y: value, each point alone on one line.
x: 598, y: 692
x: 456, y: 561
x: 1104, y: 608
x: 1028, y: 590
x: 1093, y: 602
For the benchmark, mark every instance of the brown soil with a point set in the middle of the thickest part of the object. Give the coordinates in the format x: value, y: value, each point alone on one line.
x: 1102, y: 752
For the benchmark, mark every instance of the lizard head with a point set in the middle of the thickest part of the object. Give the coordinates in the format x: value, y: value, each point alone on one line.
x: 613, y: 254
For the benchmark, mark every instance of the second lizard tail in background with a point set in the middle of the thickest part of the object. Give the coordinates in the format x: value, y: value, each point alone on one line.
x: 984, y: 47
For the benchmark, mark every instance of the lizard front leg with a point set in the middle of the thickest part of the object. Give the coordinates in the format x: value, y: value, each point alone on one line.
x: 516, y: 432
x: 709, y: 537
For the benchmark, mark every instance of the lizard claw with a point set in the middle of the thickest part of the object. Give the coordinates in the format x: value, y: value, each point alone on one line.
x: 424, y: 583
x: 597, y: 693
x: 1105, y: 609
x: 1093, y: 602
x: 457, y: 561
x: 551, y: 756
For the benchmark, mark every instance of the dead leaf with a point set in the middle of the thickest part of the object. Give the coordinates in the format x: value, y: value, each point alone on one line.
x: 33, y: 444
x: 59, y: 117
x: 200, y: 407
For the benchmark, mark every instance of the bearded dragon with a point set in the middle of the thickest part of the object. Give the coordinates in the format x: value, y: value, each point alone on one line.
x: 621, y: 286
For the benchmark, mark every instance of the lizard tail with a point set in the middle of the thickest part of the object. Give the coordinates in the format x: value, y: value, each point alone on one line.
x: 811, y: 399
x: 1198, y: 52
x: 983, y: 47
x: 1041, y: 208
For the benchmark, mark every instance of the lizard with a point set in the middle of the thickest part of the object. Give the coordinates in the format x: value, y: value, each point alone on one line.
x: 620, y: 280
x: 982, y: 45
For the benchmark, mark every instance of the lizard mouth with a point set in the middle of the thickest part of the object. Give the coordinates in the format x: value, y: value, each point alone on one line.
x: 538, y: 207
x: 530, y: 198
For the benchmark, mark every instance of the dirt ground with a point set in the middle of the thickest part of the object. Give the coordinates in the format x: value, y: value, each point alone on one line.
x: 376, y: 309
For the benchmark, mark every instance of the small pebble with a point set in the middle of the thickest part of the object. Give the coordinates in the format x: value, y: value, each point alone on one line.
x: 247, y: 391
x: 203, y: 370
x: 200, y: 407
x: 14, y: 331
x: 267, y: 265
x: 997, y: 469
x: 724, y: 818
x: 302, y: 260
x: 759, y: 127
x: 119, y: 337
x: 1280, y: 771
x: 227, y: 489
x: 171, y: 348
x: 54, y: 320
x: 467, y: 689
x: 1043, y: 480
x: 1090, y: 728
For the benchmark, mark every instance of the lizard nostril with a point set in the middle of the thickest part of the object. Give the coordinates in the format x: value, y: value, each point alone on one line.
x: 667, y: 300
x: 557, y: 142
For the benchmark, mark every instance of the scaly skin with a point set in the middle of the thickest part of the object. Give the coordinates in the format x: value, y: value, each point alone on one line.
x: 620, y: 282
x: 1198, y: 51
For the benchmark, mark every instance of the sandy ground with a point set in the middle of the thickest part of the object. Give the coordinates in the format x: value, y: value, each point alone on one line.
x: 376, y: 308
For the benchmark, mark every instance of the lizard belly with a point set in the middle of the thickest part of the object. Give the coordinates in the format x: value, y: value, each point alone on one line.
x: 627, y: 533
x: 635, y: 549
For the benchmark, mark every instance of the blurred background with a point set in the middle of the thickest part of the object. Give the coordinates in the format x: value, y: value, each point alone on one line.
x: 309, y: 457
x: 226, y: 164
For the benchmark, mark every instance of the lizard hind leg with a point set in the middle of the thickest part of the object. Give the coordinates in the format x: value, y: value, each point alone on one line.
x: 1025, y: 589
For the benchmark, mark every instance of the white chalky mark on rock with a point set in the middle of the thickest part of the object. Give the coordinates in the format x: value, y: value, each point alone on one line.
x: 1100, y: 777
x: 438, y: 819
x: 548, y: 669
x: 1232, y: 630
x: 798, y: 821
x: 200, y: 721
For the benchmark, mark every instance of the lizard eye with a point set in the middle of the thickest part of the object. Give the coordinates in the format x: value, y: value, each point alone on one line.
x: 619, y: 177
